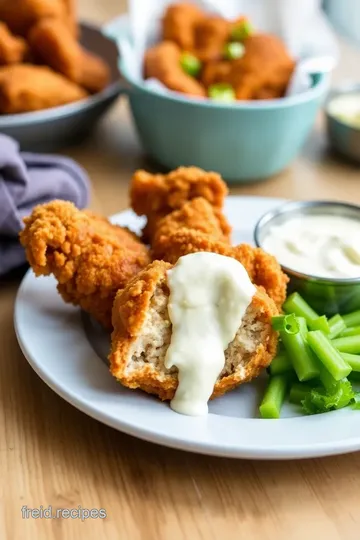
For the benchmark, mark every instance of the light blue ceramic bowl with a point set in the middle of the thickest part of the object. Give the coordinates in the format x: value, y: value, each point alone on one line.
x: 243, y: 141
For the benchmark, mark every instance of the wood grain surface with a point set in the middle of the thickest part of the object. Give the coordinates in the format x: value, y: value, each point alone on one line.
x: 51, y: 454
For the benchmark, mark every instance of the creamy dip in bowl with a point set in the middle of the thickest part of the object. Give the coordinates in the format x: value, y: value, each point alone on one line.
x: 317, y: 244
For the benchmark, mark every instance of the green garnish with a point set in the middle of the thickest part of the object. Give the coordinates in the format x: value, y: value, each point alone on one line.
x: 350, y: 344
x: 352, y: 319
x: 190, y: 64
x: 222, y: 92
x: 320, y: 400
x: 296, y: 304
x: 328, y: 355
x: 274, y: 397
x: 234, y: 50
x: 286, y: 323
x: 242, y: 31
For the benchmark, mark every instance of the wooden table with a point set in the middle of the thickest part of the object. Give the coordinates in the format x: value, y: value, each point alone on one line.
x: 52, y: 454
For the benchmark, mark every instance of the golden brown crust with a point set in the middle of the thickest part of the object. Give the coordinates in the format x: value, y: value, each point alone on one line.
x: 90, y: 258
x: 196, y: 214
x: 163, y: 62
x: 52, y: 43
x: 129, y: 313
x: 179, y: 23
x: 25, y: 88
x: 21, y: 15
x: 263, y: 269
x: 13, y: 49
x: 156, y: 195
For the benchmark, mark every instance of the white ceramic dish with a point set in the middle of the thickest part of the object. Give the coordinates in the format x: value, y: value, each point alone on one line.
x: 52, y: 337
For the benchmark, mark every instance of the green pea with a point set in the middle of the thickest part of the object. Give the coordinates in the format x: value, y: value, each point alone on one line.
x: 190, y: 64
x: 234, y: 50
x: 222, y: 92
x: 242, y: 31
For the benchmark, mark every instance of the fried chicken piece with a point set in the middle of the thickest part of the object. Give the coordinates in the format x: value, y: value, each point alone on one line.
x: 142, y: 334
x: 179, y: 23
x: 162, y: 62
x: 20, y: 15
x: 196, y: 214
x: 156, y: 195
x: 13, y: 49
x: 70, y: 6
x: 25, y: 88
x: 265, y: 67
x: 263, y: 268
x: 216, y: 72
x: 90, y: 258
x: 211, y: 35
x: 52, y: 43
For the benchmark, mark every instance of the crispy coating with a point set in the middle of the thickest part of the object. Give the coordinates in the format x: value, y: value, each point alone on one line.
x: 70, y: 6
x: 20, y: 15
x: 162, y: 62
x: 216, y: 72
x: 212, y: 33
x: 12, y: 49
x: 163, y: 193
x: 156, y: 195
x: 130, y: 312
x: 52, y: 43
x: 263, y: 269
x: 179, y: 23
x: 90, y: 258
x: 265, y: 68
x: 196, y: 214
x: 25, y: 87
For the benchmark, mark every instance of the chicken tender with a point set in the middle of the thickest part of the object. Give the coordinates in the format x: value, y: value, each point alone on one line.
x: 263, y: 268
x: 156, y: 195
x: 12, y: 49
x: 90, y: 258
x: 265, y: 68
x: 179, y: 24
x: 25, y: 88
x: 196, y: 214
x: 216, y: 72
x: 20, y: 15
x: 212, y: 33
x: 162, y: 62
x: 52, y: 43
x: 142, y: 334
x: 70, y: 6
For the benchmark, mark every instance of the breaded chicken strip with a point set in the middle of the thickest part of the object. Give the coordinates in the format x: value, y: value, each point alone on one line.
x: 156, y: 195
x: 212, y: 33
x: 90, y: 258
x: 162, y: 62
x: 20, y: 15
x: 263, y: 269
x: 13, y: 49
x: 24, y: 88
x: 142, y: 334
x: 52, y: 43
x: 70, y: 6
x: 179, y: 24
x: 196, y: 214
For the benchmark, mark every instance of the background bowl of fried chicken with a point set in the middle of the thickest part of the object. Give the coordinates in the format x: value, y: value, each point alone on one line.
x: 224, y: 105
x: 57, y: 77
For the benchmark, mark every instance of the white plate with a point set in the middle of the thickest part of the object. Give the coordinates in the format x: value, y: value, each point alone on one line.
x: 52, y: 337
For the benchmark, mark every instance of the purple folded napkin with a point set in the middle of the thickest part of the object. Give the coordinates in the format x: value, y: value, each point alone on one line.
x: 25, y: 181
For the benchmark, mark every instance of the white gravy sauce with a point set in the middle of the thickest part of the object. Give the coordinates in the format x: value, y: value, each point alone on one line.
x: 209, y: 295
x: 322, y: 245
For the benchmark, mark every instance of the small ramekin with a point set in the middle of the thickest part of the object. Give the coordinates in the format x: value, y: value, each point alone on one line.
x: 325, y: 295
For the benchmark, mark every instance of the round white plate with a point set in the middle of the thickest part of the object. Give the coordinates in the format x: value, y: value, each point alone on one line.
x: 53, y: 339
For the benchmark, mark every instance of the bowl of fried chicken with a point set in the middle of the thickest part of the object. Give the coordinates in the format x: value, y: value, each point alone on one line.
x: 57, y: 76
x: 214, y: 95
